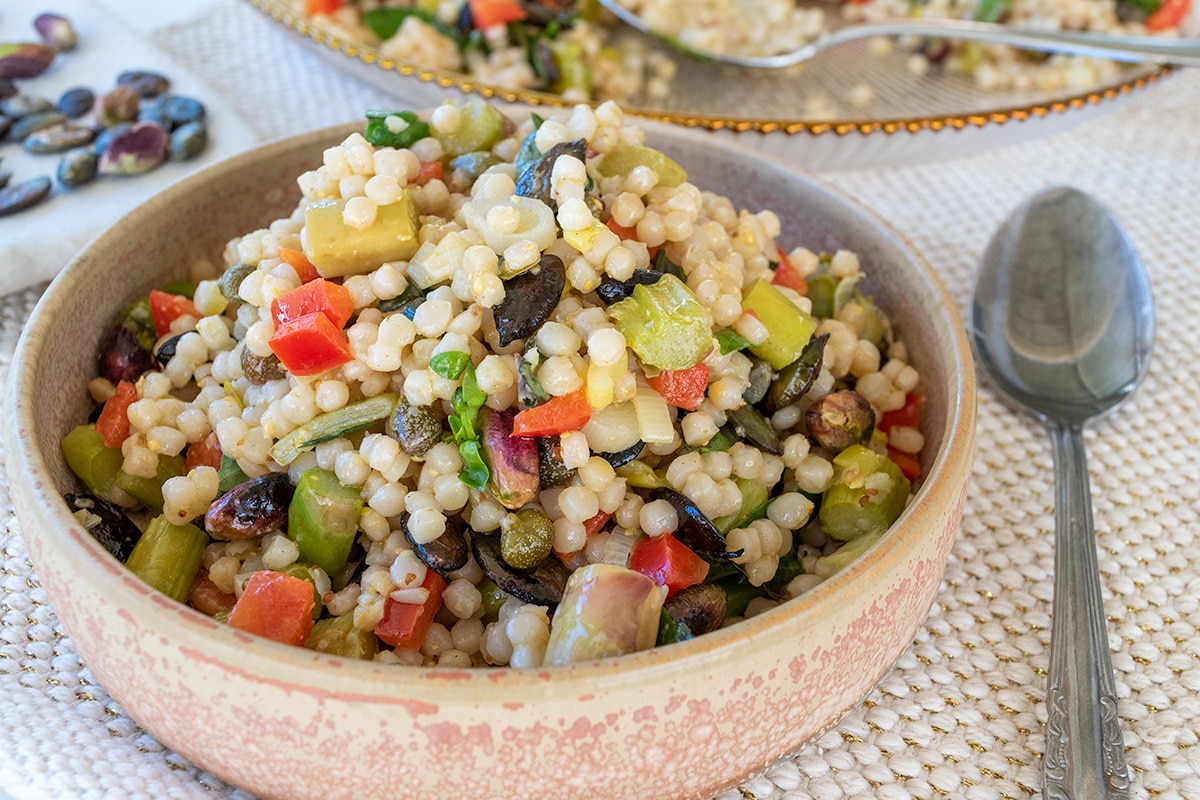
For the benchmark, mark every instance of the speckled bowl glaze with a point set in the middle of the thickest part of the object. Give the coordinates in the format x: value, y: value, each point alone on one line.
x: 683, y: 721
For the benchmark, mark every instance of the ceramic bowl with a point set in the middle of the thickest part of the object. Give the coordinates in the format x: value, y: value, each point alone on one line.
x: 684, y: 721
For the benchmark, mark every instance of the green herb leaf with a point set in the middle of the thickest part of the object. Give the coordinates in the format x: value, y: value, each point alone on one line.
x: 384, y: 22
x: 472, y: 394
x: 450, y: 365
x: 475, y: 471
x: 380, y: 134
x: 729, y: 341
x: 537, y: 120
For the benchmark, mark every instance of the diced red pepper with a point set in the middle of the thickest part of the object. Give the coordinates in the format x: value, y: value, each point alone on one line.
x: 204, y: 453
x: 312, y: 7
x: 113, y: 422
x: 570, y: 412
x: 275, y: 605
x: 787, y: 275
x: 208, y: 598
x: 592, y: 525
x: 907, y: 462
x: 682, y: 388
x: 406, y: 625
x: 325, y: 297
x: 668, y: 562
x: 299, y: 262
x: 907, y: 415
x: 623, y: 233
x: 488, y: 13
x: 1170, y: 14
x: 166, y: 308
x: 430, y: 171
x: 310, y: 345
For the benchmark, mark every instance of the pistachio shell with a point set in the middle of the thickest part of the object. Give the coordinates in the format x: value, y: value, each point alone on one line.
x: 77, y: 167
x: 25, y: 59
x: 34, y: 123
x: 58, y: 139
x: 56, y: 31
x: 21, y: 196
x: 187, y: 141
x: 140, y: 149
x: 76, y: 102
x: 180, y: 110
x: 7, y: 88
x: 5, y: 124
x: 22, y: 105
x: 147, y: 84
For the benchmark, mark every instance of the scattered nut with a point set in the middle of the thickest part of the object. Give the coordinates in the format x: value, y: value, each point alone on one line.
x: 147, y: 84
x: 118, y: 105
x: 21, y: 196
x: 76, y: 102
x: 140, y: 149
x: 25, y: 59
x: 56, y: 31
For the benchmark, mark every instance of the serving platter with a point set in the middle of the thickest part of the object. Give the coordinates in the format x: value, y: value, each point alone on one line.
x: 849, y: 107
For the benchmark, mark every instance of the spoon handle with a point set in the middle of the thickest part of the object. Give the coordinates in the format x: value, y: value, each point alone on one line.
x: 1085, y: 752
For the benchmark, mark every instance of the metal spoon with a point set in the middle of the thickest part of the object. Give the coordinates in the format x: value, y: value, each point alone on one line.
x: 1062, y: 320
x: 1136, y: 49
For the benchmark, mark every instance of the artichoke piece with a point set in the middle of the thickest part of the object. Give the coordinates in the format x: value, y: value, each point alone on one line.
x: 840, y: 419
x: 606, y: 610
x: 336, y: 249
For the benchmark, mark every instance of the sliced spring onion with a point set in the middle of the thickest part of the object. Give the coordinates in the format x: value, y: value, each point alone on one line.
x: 653, y: 414
x: 333, y: 424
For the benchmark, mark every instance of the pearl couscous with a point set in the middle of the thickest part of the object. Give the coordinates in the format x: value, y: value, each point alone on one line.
x: 500, y: 394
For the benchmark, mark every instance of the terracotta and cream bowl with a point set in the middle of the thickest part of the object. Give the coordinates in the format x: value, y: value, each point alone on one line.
x: 682, y: 721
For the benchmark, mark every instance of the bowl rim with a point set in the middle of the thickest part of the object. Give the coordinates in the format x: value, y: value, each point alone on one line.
x: 297, y: 23
x: 29, y: 475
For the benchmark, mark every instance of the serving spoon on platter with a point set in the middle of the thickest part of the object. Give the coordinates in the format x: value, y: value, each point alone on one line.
x: 1062, y: 321
x: 1135, y: 49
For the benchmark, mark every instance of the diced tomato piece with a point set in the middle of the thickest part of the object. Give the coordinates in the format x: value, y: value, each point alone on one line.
x: 204, y: 453
x: 113, y: 422
x: 1170, y: 14
x: 668, y: 562
x: 682, y: 388
x: 488, y: 13
x: 299, y: 262
x: 277, y: 606
x: 907, y: 415
x: 406, y: 625
x: 430, y: 171
x: 907, y: 462
x: 570, y: 412
x: 325, y: 297
x: 166, y: 308
x: 787, y: 275
x: 310, y: 345
x: 621, y: 231
x: 592, y: 525
x: 312, y: 7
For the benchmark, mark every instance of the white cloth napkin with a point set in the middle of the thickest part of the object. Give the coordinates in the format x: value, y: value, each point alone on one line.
x: 37, y: 243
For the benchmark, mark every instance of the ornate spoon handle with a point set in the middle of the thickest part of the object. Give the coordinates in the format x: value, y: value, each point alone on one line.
x: 1085, y: 752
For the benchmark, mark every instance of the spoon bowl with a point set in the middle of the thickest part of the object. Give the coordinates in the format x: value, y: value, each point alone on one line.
x: 1062, y: 321
x: 1133, y: 49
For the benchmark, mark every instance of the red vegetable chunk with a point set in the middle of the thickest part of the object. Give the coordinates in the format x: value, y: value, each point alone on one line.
x: 668, y: 562
x: 406, y: 625
x: 322, y: 296
x: 277, y: 606
x: 113, y: 423
x: 310, y: 345
x: 570, y: 412
x: 166, y: 308
x: 682, y: 388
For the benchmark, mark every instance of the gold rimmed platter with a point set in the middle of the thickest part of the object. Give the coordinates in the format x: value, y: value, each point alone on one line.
x: 850, y: 107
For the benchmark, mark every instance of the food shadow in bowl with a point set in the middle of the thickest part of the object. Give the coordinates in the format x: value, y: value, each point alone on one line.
x: 691, y: 718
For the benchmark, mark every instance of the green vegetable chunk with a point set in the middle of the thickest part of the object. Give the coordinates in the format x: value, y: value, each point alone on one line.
x: 866, y: 496
x: 168, y: 557
x: 788, y: 327
x: 664, y: 324
x: 481, y: 127
x: 229, y: 475
x: 754, y: 506
x: 323, y: 519
x: 394, y: 128
x: 148, y: 491
x: 333, y: 424
x: 336, y: 249
x: 622, y: 160
x: 96, y: 465
x: 337, y: 636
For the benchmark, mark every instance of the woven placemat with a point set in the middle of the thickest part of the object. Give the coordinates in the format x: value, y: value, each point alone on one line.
x: 961, y: 715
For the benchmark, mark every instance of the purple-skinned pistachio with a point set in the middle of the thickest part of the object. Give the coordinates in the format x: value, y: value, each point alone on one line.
x: 25, y: 59
x: 187, y: 141
x: 140, y: 149
x: 116, y: 106
x: 56, y: 31
x: 21, y: 196
x: 147, y: 84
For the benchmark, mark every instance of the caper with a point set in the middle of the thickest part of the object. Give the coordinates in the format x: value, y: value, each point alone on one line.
x: 260, y: 369
x: 416, y: 428
x: 231, y: 280
x: 526, y: 538
x: 840, y: 419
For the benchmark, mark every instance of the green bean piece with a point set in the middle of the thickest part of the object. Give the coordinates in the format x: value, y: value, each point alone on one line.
x: 867, y: 494
x: 323, y: 519
x: 168, y: 557
x: 333, y: 424
x: 337, y: 636
x: 148, y: 491
x: 96, y: 465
